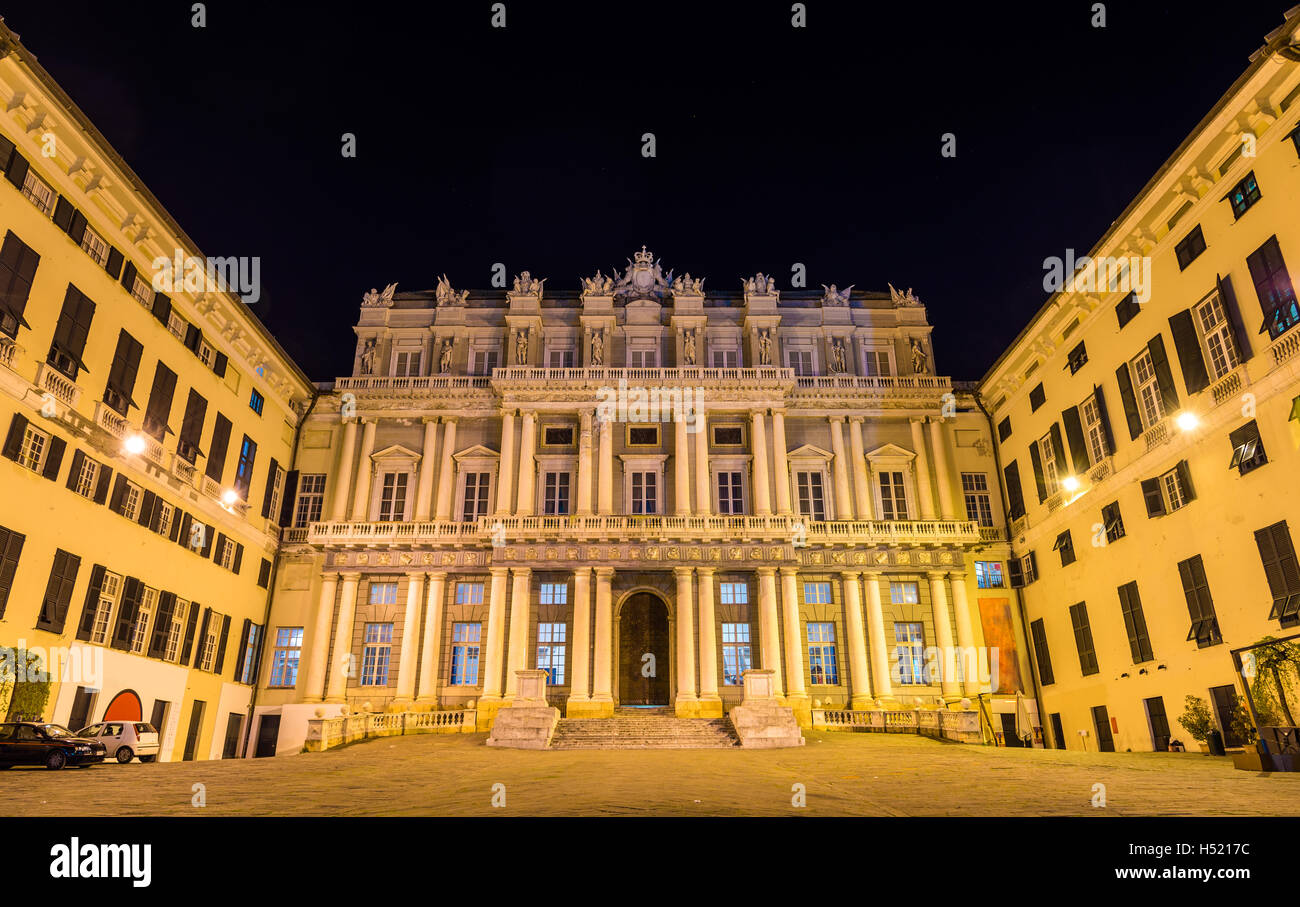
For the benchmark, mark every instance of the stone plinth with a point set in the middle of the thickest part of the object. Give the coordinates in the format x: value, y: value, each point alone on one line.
x: 526, y: 722
x: 760, y: 720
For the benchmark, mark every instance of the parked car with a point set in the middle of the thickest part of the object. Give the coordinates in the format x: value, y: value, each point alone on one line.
x: 50, y: 745
x: 124, y: 740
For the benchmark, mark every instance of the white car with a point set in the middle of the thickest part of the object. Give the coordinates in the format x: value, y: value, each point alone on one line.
x: 124, y: 740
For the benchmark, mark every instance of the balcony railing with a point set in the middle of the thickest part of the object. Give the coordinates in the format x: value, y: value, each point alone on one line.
x: 602, y: 375
x: 9, y: 351
x: 1228, y: 386
x: 1286, y: 347
x: 63, y: 388
x: 860, y: 382
x: 110, y: 420
x: 1156, y: 435
x: 397, y: 384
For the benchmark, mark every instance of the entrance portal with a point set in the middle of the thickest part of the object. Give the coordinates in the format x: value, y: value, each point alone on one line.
x: 642, y: 631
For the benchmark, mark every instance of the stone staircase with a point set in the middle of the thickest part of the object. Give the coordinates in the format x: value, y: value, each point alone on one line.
x: 643, y: 729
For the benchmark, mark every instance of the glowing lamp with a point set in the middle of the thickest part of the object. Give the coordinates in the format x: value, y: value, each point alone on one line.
x: 1070, y: 483
x: 1187, y: 421
x: 134, y: 444
x: 228, y: 497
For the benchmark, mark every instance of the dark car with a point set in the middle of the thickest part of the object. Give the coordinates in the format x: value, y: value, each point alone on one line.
x: 50, y: 745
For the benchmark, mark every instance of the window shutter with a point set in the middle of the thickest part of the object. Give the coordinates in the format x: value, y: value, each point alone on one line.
x: 1228, y: 297
x: 190, y: 624
x: 1154, y: 500
x: 239, y: 557
x: 1267, y: 540
x: 1033, y: 566
x: 58, y: 592
x: 1188, y: 345
x: 132, y: 590
x: 128, y: 276
x: 217, y: 449
x: 92, y: 599
x: 220, y: 660
x: 287, y: 498
x: 219, y: 365
x: 162, y: 624
x: 119, y: 494
x: 1164, y: 377
x: 126, y: 363
x: 77, y: 459
x: 1042, y: 655
x: 114, y: 264
x: 54, y: 458
x: 147, y: 505
x: 160, y: 402
x: 192, y: 335
x: 241, y: 653
x: 1016, y: 572
x: 16, y: 170
x: 1078, y: 444
x: 220, y: 543
x: 207, y: 541
x: 77, y: 227
x: 1189, y: 587
x: 1126, y: 394
x: 14, y: 440
x: 1058, y: 446
x: 270, y: 488
x: 63, y: 212
x: 1039, y: 482
x: 105, y: 477
x: 11, y: 549
x: 1286, y: 557
x: 183, y: 530
x: 162, y: 308
x: 1015, y: 494
x: 1185, y: 480
x: 179, y: 517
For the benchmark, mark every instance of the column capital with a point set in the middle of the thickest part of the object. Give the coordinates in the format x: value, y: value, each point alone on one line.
x: 834, y: 419
x: 873, y: 574
x: 499, y: 571
x: 521, y: 571
x: 351, y: 576
x: 916, y: 420
x: 416, y: 574
x: 789, y: 571
x: 582, y: 571
x: 765, y: 571
x: 330, y: 576
x: 604, y: 572
x: 430, y: 420
x: 450, y: 420
x: 437, y: 574
x: 706, y: 571
x: 936, y: 574
x: 857, y: 419
x: 683, y: 572
x: 957, y: 576
x: 851, y: 574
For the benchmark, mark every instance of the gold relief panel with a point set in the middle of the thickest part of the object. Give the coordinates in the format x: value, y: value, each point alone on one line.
x: 673, y: 554
x: 902, y: 557
x: 405, y: 558
x: 634, y: 554
x: 881, y: 557
x: 573, y: 554
x: 471, y: 557
x: 755, y: 554
x: 384, y: 559
x: 696, y: 554
x: 860, y: 558
x: 715, y: 554
x: 552, y: 554
x: 735, y: 554
x: 923, y: 557
x: 945, y: 557
x: 363, y: 558
x: 652, y: 553
x: 776, y: 554
x: 426, y: 557
x: 530, y: 554
x: 512, y: 554
x: 839, y: 557
x: 448, y: 559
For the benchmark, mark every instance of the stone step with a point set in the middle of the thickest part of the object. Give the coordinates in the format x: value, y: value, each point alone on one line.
x: 640, y: 731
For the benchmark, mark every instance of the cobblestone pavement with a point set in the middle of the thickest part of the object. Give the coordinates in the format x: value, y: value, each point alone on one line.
x: 843, y: 774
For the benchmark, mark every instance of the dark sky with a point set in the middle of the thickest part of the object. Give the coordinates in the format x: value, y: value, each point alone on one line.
x: 522, y: 145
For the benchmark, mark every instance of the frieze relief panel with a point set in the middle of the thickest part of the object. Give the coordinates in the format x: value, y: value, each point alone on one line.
x: 619, y: 555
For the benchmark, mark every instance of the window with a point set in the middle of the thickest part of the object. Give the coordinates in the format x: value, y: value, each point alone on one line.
x: 979, y: 504
x: 140, y: 626
x: 1065, y: 545
x: 464, y: 650
x: 247, y: 669
x: 822, y: 664
x: 1130, y: 605
x: 406, y: 364
x: 311, y: 498
x: 555, y: 493
x: 208, y: 645
x: 86, y: 480
x: 18, y: 263
x: 1168, y: 492
x: 817, y: 593
x: 1147, y: 388
x: 142, y: 290
x: 643, y: 358
x: 812, y: 497
x: 484, y: 361
x: 1277, y: 554
x: 1247, y: 448
x: 1200, y: 606
x: 1094, y: 430
x: 1216, y: 335
x: 109, y: 591
x: 1004, y: 429
x: 1274, y: 288
x: 1192, y: 245
x: 284, y: 660
x: 1083, y: 639
x: 70, y: 333
x: 177, y: 325
x: 392, y: 497
x: 207, y: 355
x: 988, y: 575
x: 643, y: 436
x: 731, y: 498
x: 735, y: 653
x: 875, y: 364
x: 176, y: 631
x: 1024, y: 570
x: 557, y: 436
x: 893, y: 497
x: 909, y: 652
x: 38, y: 193
x: 255, y: 402
x: 726, y: 358
x: 226, y: 553
x: 904, y: 593
x: 560, y: 359
x: 645, y: 492
x: 1037, y: 397
x: 551, y: 646
x: 95, y: 246
x: 1077, y: 358
x: 244, y: 471
x: 801, y: 361
x: 1243, y: 195
x: 733, y: 593
x: 35, y: 443
x: 377, y: 648
x: 1127, y: 308
x: 1113, y: 522
x: 476, y: 496
x: 1041, y: 655
x: 217, y: 449
x: 1048, y: 456
x: 469, y: 593
x: 554, y: 594
x: 121, y: 374
x: 383, y: 593
x: 728, y: 436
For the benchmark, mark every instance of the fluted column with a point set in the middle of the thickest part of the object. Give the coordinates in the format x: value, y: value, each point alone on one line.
x: 365, y: 469
x: 520, y: 612
x: 343, y: 482
x: 839, y: 467
x: 584, y: 463
x: 769, y: 628
x: 496, y: 634
x: 338, y: 682
x: 581, y: 677
x: 859, y: 684
x: 447, y: 470
x: 861, y: 481
x: 428, y: 466
x: 780, y: 462
x: 710, y: 701
x: 314, y: 683
x: 431, y: 653
x: 795, y: 691
x: 602, y: 677
x: 506, y: 472
x: 703, y: 493
x: 921, y: 466
x: 943, y: 633
x: 527, y: 464
x: 687, y: 702
x: 939, y: 443
x: 762, y: 493
x: 410, y: 637
x: 605, y: 468
x: 681, y: 469
x: 969, y: 655
x: 876, y: 629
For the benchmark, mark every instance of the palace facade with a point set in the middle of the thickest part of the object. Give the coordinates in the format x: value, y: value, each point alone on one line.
x: 1148, y: 431
x: 643, y: 487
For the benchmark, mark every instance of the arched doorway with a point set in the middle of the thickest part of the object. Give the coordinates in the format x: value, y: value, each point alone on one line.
x: 642, y: 631
x: 124, y: 707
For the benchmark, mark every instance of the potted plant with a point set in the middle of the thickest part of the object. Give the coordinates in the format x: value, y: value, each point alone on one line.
x: 1196, y: 720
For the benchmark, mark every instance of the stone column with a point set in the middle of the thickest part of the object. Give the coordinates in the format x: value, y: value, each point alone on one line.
x: 580, y: 682
x: 860, y: 686
x: 861, y: 481
x: 428, y: 466
x: 703, y: 493
x: 969, y: 656
x: 687, y: 704
x: 781, y: 462
x: 338, y: 682
x: 710, y: 701
x: 432, y: 652
x: 939, y: 442
x: 681, y: 469
x: 410, y: 638
x: 943, y: 632
x: 446, y: 471
x: 584, y: 463
x: 795, y: 692
x: 876, y: 629
x: 495, y: 635
x: 768, y: 627
x: 506, y: 470
x: 602, y: 678
x: 521, y: 608
x: 365, y: 469
x: 343, y: 482
x: 762, y: 488
x: 527, y: 464
x: 921, y: 466
x: 314, y: 684
x: 605, y: 469
x: 843, y: 497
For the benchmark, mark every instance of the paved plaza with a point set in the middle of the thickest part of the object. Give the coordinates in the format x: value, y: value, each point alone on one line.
x: 842, y: 774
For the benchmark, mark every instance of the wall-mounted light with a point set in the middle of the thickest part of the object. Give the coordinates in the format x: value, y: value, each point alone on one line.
x: 1186, y: 421
x: 1142, y: 671
x: 134, y: 444
x: 229, y: 497
x: 1070, y: 483
x: 1161, y: 668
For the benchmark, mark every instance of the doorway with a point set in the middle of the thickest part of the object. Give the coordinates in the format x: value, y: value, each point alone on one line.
x: 1225, y: 705
x: 1159, y: 724
x: 268, y: 735
x: 643, y: 656
x: 1101, y: 721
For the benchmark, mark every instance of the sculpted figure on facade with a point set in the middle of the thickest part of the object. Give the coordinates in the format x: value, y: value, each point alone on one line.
x: 688, y: 286
x: 598, y: 349
x: 526, y: 283
x: 837, y: 356
x: 688, y: 347
x: 644, y: 278
x: 599, y: 285
x: 902, y: 300
x: 521, y: 348
x: 368, y: 357
x: 444, y: 361
x: 375, y: 299
x: 834, y: 296
x: 760, y: 285
x: 920, y: 361
x: 445, y: 295
x: 764, y: 348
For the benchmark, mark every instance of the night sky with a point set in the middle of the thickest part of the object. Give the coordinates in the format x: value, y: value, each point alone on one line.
x: 522, y: 145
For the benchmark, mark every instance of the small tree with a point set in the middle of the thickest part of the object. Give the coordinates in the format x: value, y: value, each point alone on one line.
x: 24, y: 682
x: 1196, y: 718
x: 1277, y: 664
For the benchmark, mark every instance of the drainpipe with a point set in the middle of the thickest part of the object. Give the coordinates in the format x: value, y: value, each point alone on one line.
x: 270, y: 583
x: 1020, y: 599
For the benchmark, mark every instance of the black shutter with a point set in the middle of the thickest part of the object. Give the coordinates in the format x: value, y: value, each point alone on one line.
x: 132, y: 590
x: 77, y: 459
x: 18, y: 263
x: 147, y: 504
x: 162, y: 623
x: 121, y: 375
x: 1131, y: 413
x: 160, y: 402
x: 190, y: 624
x: 220, y: 543
x: 58, y: 591
x: 241, y: 653
x: 207, y: 541
x: 1228, y: 297
x: 1078, y: 444
x: 1154, y: 499
x: 1058, y: 448
x: 14, y: 440
x: 177, y: 519
x: 1039, y: 482
x: 1188, y: 345
x: 1164, y: 377
x: 217, y: 449
x: 16, y: 170
x: 128, y: 276
x: 77, y: 227
x: 270, y: 487
x: 114, y: 264
x: 239, y: 557
x: 11, y: 549
x: 192, y: 335
x: 1185, y: 480
x: 162, y: 308
x: 119, y: 494
x: 219, y: 365
x: 1033, y: 565
x: 1017, y: 573
x: 286, y: 500
x: 105, y: 477
x: 92, y: 599
x: 63, y: 212
x: 183, y: 532
x: 54, y: 458
x: 220, y: 660
x: 1015, y: 494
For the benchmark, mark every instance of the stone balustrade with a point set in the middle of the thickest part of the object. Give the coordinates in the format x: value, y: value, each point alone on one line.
x: 962, y: 726
x: 324, y: 733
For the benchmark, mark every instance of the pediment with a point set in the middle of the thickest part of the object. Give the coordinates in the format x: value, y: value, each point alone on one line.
x: 395, y: 452
x: 478, y: 451
x: 891, y: 452
x: 809, y: 451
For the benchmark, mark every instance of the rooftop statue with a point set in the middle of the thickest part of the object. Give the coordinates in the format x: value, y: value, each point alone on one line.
x: 902, y: 300
x: 834, y: 296
x: 445, y: 295
x: 375, y: 299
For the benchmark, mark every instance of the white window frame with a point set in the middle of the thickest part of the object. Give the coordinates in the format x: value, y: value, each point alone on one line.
x: 1146, y: 389
x: 286, y: 658
x: 177, y: 324
x: 394, y: 460
x: 877, y: 488
x: 376, y: 654
x: 142, y: 290
x: 1094, y: 432
x: 34, y: 449
x: 308, y: 501
x: 469, y: 641
x: 977, y: 488
x: 226, y: 556
x: 477, y: 459
x: 176, y: 632
x: 166, y: 513
x: 1172, y: 491
x: 810, y: 459
x: 140, y: 628
x: 561, y: 345
x: 652, y: 464
x: 131, y: 500
x: 738, y: 463
x: 560, y: 465
x: 88, y: 480
x: 109, y: 594
x: 1048, y: 455
x: 553, y: 637
x: 800, y: 352
x: 95, y: 246
x: 821, y: 485
x: 872, y: 351
x: 277, y: 491
x: 208, y: 644
x: 1217, y: 343
x: 38, y: 192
